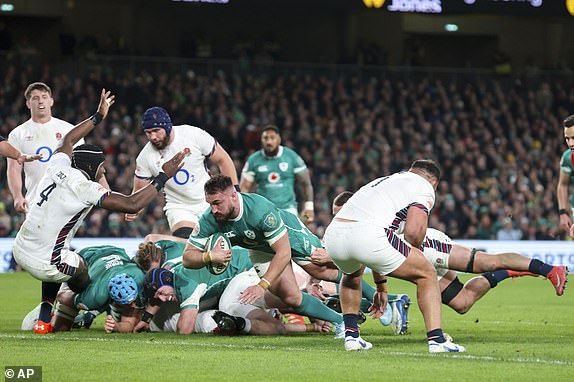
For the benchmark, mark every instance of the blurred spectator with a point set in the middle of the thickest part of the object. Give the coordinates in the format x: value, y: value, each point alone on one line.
x: 508, y: 232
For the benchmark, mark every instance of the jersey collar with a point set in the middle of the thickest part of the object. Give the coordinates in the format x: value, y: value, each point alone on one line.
x: 240, y: 215
x: 279, y: 153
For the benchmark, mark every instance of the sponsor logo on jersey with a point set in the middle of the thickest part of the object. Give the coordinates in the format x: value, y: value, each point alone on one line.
x: 262, y: 168
x: 250, y: 234
x: 28, y: 138
x: 283, y: 166
x: 273, y: 177
x: 270, y: 221
x: 229, y: 234
x: 58, y: 135
x: 196, y: 229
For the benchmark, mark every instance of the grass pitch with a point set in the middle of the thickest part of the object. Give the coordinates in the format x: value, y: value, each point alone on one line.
x: 519, y: 331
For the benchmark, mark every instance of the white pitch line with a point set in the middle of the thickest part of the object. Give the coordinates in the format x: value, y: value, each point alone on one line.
x: 283, y: 348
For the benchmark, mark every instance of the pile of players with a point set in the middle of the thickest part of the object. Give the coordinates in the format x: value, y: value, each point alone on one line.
x: 170, y: 285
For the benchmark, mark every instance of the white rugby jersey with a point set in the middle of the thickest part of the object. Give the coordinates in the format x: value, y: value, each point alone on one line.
x: 38, y: 138
x: 384, y: 201
x: 65, y: 196
x: 186, y: 187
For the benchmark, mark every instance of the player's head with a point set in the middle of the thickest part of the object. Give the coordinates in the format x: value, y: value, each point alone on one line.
x: 270, y: 140
x: 39, y: 99
x: 123, y: 289
x: 149, y: 255
x: 157, y: 126
x: 569, y: 131
x: 158, y: 286
x: 340, y: 200
x: 222, y: 197
x: 89, y: 160
x: 428, y: 169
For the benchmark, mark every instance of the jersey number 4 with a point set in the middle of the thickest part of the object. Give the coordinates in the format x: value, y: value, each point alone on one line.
x: 45, y: 193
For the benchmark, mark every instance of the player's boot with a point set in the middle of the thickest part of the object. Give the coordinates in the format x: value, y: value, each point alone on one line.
x: 520, y: 274
x: 228, y: 325
x: 445, y: 347
x: 293, y: 318
x: 400, y: 321
x: 352, y: 343
x: 339, y: 330
x: 42, y: 327
x: 558, y: 276
x: 83, y: 320
x: 387, y: 316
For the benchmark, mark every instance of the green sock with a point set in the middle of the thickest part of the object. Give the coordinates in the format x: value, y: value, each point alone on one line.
x: 365, y: 305
x: 393, y: 297
x: 368, y: 291
x: 313, y: 307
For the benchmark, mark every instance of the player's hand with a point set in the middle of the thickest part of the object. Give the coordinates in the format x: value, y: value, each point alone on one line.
x: 21, y: 205
x: 172, y: 166
x: 566, y: 223
x: 23, y: 158
x: 322, y: 326
x: 379, y: 305
x: 106, y: 100
x: 219, y: 255
x: 316, y: 290
x: 141, y: 327
x: 251, y: 294
x: 133, y: 217
x: 110, y: 324
x: 572, y: 231
x: 308, y: 216
x: 319, y: 256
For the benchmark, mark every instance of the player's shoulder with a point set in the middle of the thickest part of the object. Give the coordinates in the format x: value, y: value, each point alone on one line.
x: 61, y: 123
x: 20, y: 129
x: 189, y: 130
x: 566, y: 158
x: 255, y: 156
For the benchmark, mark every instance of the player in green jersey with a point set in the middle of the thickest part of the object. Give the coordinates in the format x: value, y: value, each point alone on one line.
x: 272, y: 172
x: 566, y: 204
x: 253, y: 222
x: 104, y: 263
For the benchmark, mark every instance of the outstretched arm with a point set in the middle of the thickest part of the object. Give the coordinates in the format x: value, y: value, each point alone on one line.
x: 304, y: 181
x: 7, y: 150
x: 83, y: 128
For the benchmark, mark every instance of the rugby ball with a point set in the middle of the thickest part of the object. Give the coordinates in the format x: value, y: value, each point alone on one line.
x: 224, y: 243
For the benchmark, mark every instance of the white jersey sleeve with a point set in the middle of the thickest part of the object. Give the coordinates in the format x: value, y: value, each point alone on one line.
x: 143, y: 168
x: 205, y: 142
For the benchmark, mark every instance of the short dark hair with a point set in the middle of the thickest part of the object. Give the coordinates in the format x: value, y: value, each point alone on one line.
x: 569, y: 121
x: 429, y: 166
x: 342, y: 198
x: 271, y: 128
x: 217, y: 183
x: 36, y: 86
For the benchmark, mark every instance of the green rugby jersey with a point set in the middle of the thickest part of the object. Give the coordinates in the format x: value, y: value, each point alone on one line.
x: 275, y: 176
x: 104, y: 262
x: 567, y: 167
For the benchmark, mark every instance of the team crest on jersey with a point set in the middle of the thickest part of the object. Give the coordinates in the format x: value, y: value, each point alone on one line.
x: 58, y: 135
x: 196, y: 229
x: 250, y: 234
x: 283, y: 166
x: 270, y: 221
x: 187, y: 151
x: 273, y: 177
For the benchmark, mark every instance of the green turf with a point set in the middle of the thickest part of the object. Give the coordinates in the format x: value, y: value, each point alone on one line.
x: 520, y: 331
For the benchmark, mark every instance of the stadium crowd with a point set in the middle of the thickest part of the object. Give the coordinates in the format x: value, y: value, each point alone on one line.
x: 498, y: 139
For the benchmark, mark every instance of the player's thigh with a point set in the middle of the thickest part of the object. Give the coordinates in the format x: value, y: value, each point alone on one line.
x: 416, y: 266
x: 459, y: 258
x: 178, y: 213
x: 229, y: 300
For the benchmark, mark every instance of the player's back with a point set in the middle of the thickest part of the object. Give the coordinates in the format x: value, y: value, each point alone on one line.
x: 106, y: 261
x: 384, y: 201
x: 64, y: 198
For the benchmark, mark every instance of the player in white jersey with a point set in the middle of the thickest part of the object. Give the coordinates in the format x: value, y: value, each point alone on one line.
x: 41, y: 135
x: 67, y: 192
x: 185, y: 200
x: 374, y: 215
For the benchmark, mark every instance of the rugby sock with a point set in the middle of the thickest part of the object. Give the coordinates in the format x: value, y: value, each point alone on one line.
x: 49, y: 294
x: 313, y: 307
x: 351, y: 325
x: 436, y: 335
x: 540, y: 268
x: 495, y: 277
x: 365, y: 305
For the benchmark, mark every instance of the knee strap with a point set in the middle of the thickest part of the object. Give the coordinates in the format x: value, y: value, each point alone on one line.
x: 183, y: 232
x: 470, y: 265
x: 65, y: 311
x: 451, y: 291
x: 81, y: 278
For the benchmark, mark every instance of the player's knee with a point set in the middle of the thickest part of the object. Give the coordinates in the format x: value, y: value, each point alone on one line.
x: 65, y: 296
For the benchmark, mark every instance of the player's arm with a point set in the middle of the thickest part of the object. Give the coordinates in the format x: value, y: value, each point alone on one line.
x: 306, y: 188
x: 282, y: 257
x: 416, y: 225
x: 154, y: 237
x: 380, y: 298
x: 222, y: 159
x: 128, y: 318
x: 15, y: 185
x: 139, y: 183
x: 563, y: 203
x: 114, y: 201
x: 186, y: 321
x: 247, y: 183
x: 83, y: 128
x: 9, y: 151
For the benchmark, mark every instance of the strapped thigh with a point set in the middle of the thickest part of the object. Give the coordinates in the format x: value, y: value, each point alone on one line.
x: 470, y: 265
x: 451, y: 291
